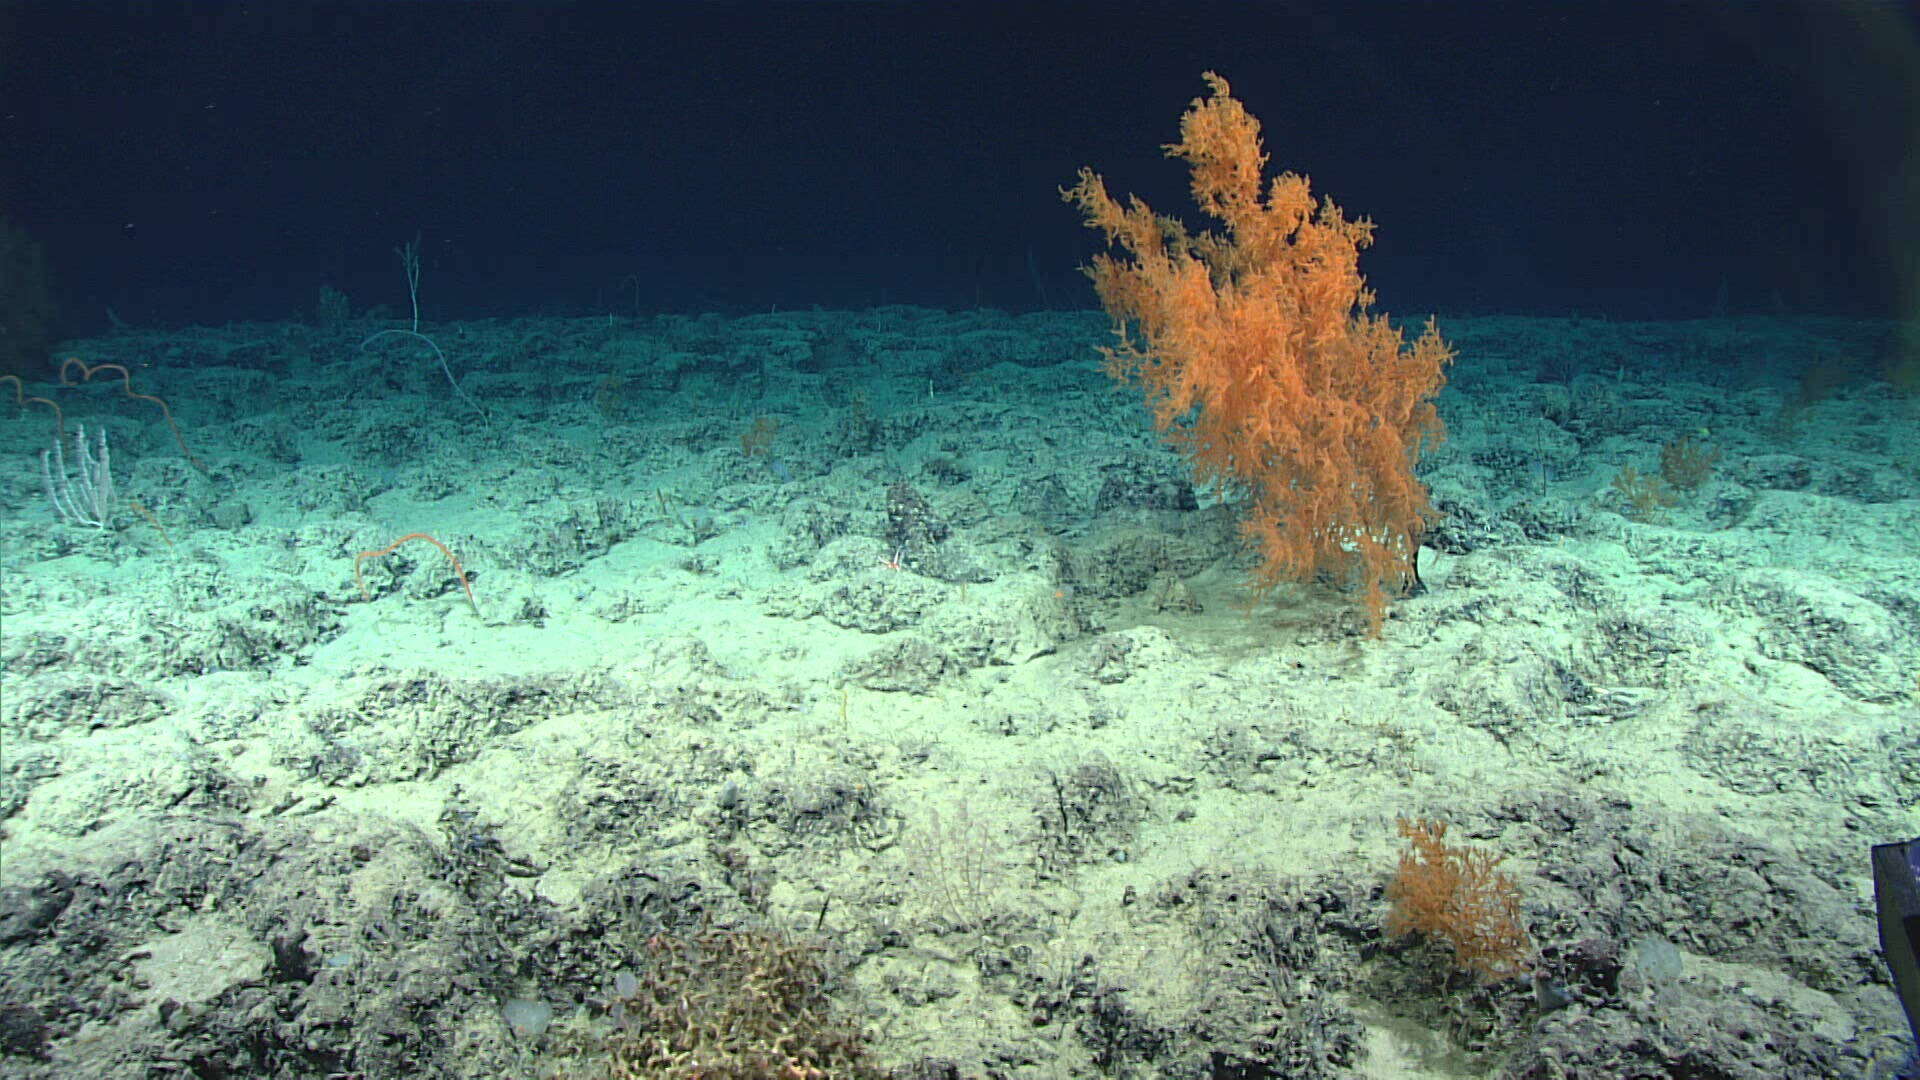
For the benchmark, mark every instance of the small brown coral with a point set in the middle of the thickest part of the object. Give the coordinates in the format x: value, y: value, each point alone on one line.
x: 733, y: 1005
x: 1458, y: 895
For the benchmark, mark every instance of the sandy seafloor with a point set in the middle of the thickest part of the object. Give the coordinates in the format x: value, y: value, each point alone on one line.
x: 897, y: 638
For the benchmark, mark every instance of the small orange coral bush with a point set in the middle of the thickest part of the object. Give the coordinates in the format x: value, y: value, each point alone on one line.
x: 1261, y: 359
x: 1458, y: 895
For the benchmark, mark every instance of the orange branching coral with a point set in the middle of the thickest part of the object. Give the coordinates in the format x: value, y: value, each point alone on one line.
x: 1458, y: 895
x: 1261, y: 360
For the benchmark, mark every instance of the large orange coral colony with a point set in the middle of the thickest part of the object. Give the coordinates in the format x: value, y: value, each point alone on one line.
x: 1262, y: 361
